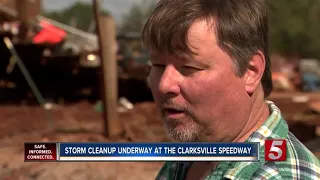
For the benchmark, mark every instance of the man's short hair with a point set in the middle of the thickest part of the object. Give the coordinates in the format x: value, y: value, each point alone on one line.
x: 241, y: 28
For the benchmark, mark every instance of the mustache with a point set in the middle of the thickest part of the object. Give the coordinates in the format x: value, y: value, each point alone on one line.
x: 175, y: 106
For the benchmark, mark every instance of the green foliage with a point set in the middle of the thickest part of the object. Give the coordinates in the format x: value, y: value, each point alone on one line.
x: 294, y: 27
x: 81, y: 12
x: 134, y: 20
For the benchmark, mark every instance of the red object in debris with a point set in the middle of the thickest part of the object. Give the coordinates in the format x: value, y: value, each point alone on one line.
x: 49, y: 34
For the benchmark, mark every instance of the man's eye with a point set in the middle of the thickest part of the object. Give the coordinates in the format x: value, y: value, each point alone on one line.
x: 159, y: 65
x: 188, y: 70
x: 191, y: 68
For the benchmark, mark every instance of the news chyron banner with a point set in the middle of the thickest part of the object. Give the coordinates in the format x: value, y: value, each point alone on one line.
x: 141, y: 152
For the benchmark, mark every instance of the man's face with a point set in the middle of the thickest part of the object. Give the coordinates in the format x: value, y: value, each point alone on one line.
x: 200, y: 96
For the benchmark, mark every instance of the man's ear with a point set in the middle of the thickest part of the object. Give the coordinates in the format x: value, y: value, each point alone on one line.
x: 254, y: 72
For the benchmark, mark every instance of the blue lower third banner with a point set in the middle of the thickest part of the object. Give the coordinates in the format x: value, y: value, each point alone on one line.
x: 158, y: 152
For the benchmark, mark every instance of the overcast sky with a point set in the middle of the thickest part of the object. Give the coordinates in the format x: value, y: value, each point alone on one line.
x: 116, y: 7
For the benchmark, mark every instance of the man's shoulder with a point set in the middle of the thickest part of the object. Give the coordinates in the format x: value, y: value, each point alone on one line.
x: 298, y: 150
x: 301, y: 163
x: 300, y: 160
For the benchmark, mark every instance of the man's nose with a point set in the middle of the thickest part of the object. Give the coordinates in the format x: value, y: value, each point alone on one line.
x: 169, y: 82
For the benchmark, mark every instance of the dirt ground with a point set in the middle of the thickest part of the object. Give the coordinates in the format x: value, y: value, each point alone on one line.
x: 80, y: 123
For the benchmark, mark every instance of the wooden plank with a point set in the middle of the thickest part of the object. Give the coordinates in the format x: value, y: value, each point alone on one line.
x: 311, y: 95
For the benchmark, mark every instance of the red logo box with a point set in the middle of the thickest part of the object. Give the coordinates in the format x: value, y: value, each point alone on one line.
x: 275, y: 150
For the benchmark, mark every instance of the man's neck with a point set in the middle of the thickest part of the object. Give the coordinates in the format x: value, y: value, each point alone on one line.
x: 259, y: 113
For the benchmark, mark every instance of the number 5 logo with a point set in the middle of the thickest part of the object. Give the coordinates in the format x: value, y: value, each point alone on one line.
x: 275, y: 150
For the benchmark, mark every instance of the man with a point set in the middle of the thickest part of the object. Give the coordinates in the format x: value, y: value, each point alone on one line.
x: 210, y: 76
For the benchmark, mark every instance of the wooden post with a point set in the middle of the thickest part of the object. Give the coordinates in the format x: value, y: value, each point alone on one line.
x: 107, y: 49
x: 22, y: 10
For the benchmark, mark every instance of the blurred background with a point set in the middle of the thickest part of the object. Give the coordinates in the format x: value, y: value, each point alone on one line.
x: 53, y: 80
